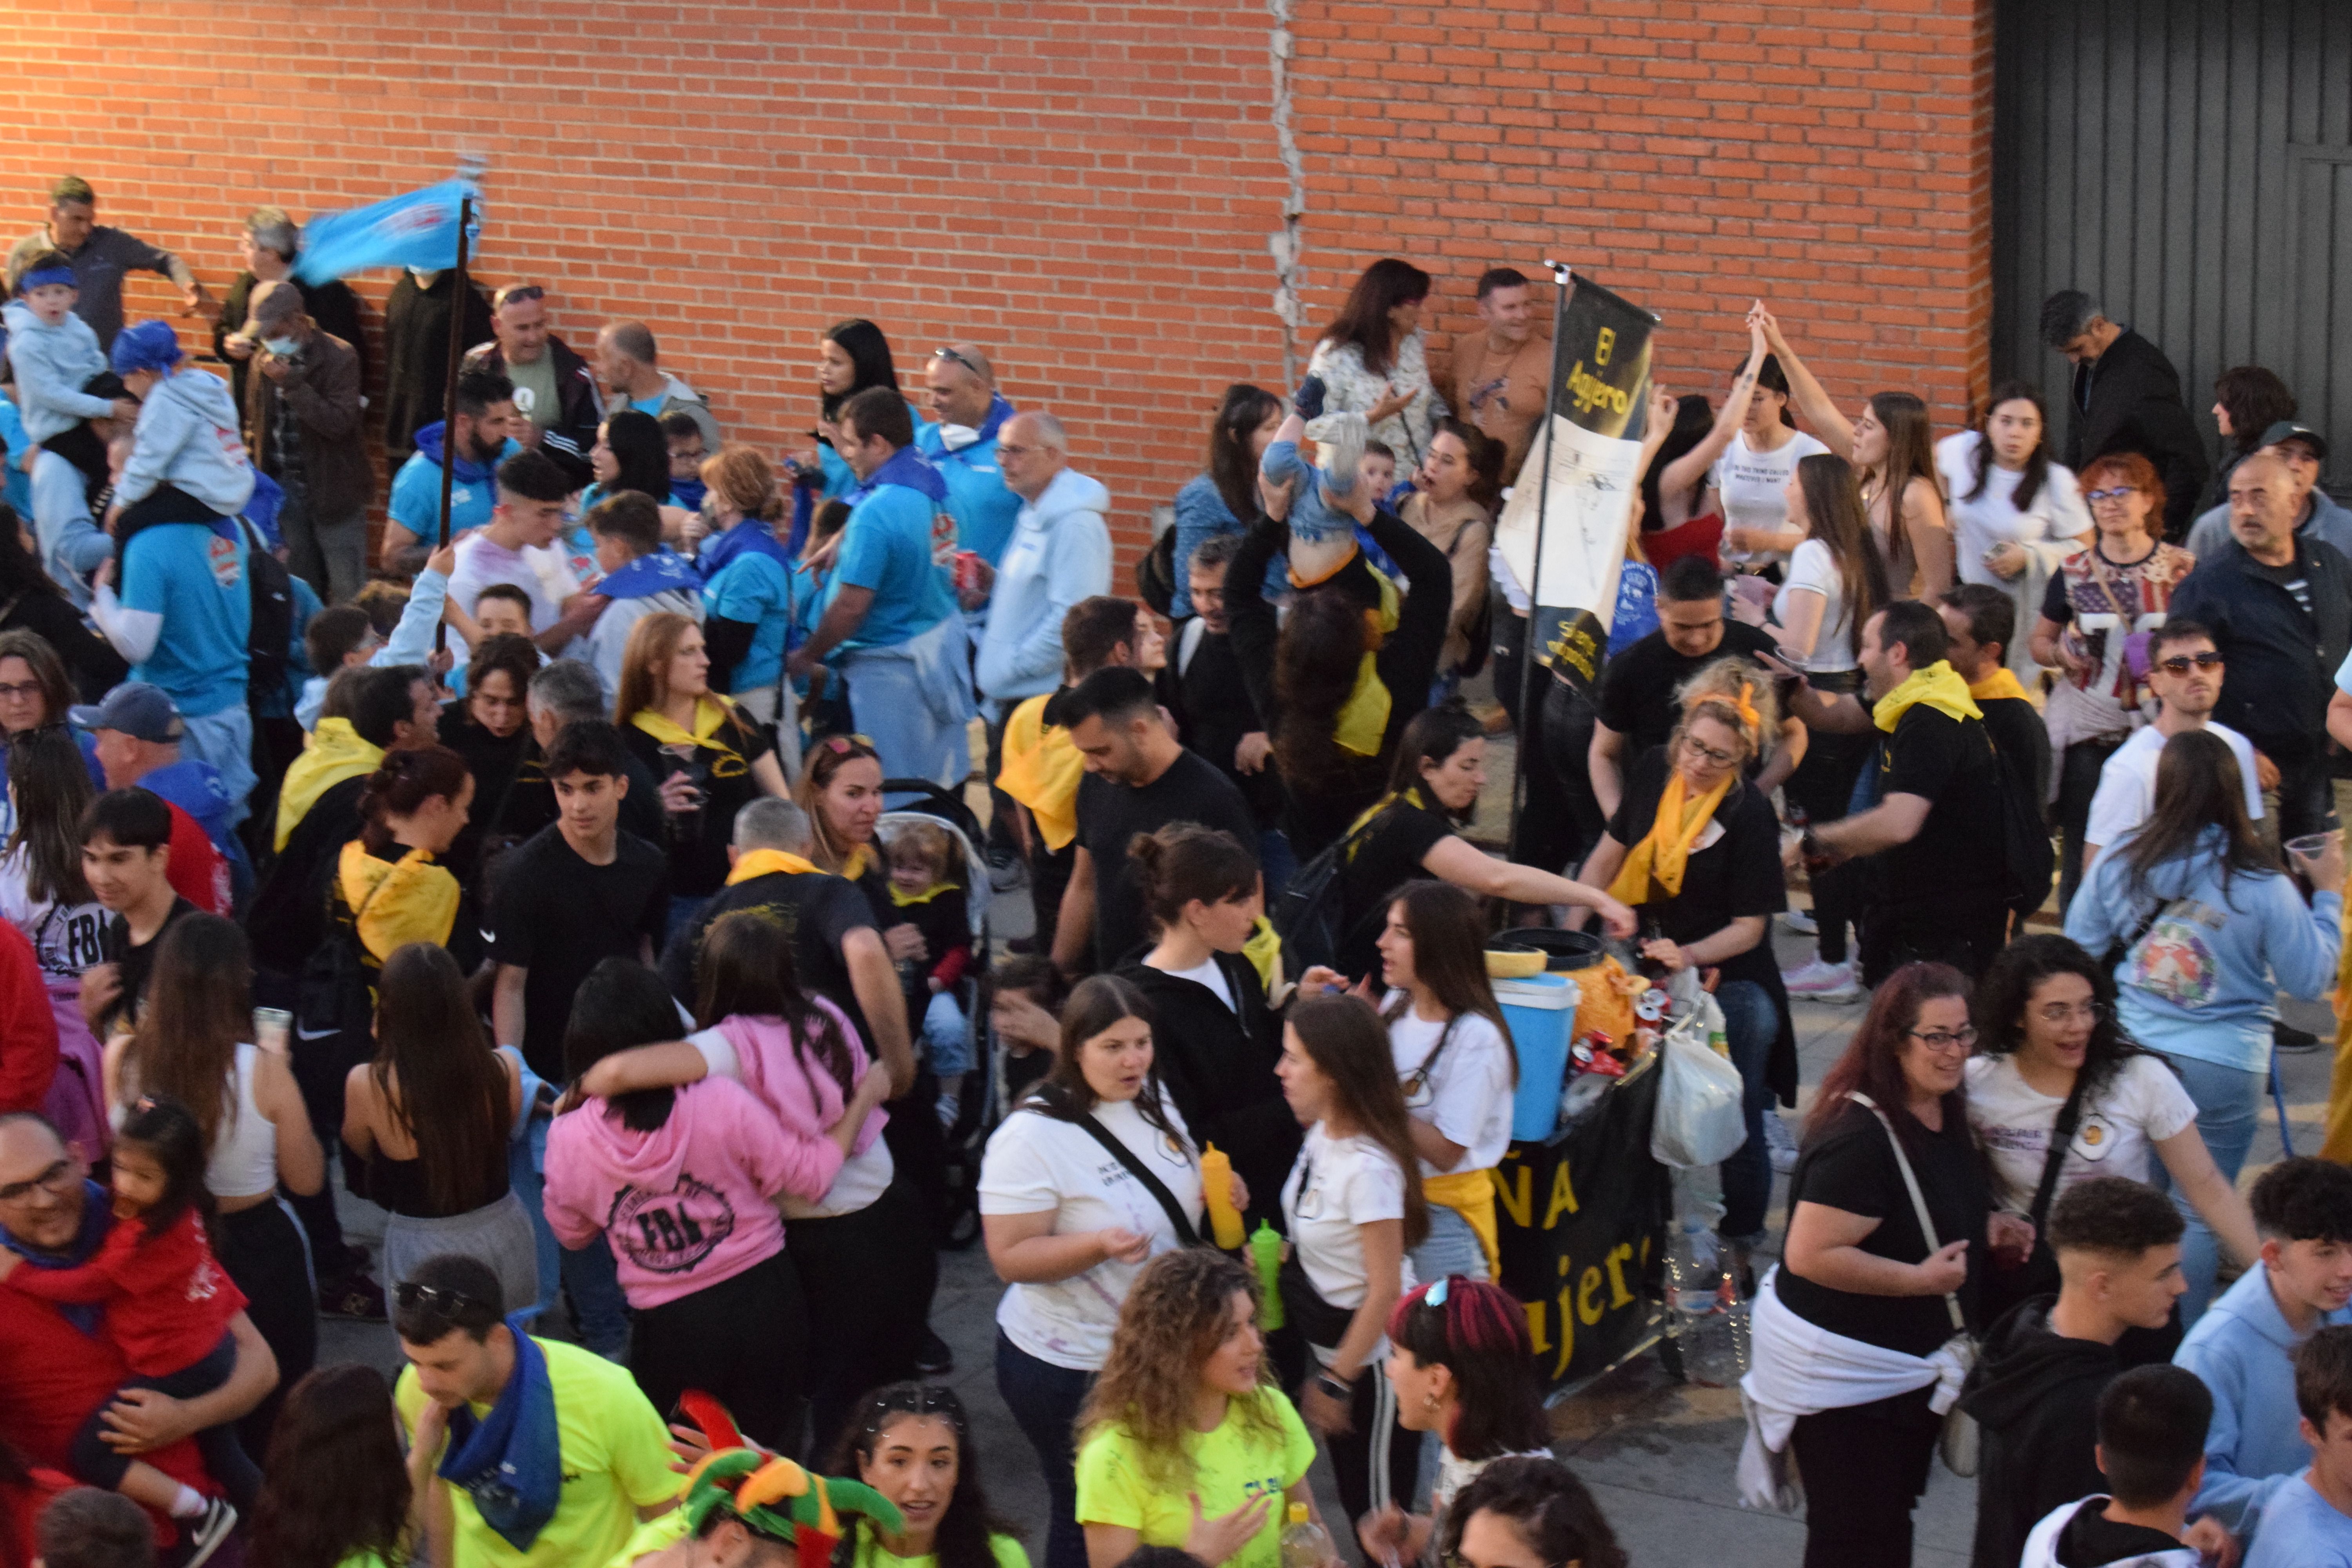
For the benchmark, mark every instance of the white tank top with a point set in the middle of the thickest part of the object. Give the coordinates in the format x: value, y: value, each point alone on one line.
x: 245, y: 1149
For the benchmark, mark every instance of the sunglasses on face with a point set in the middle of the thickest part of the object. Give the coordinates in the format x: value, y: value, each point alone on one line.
x: 2179, y: 662
x: 408, y: 1296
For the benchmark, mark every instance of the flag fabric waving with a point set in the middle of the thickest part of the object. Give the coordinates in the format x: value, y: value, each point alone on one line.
x: 418, y: 229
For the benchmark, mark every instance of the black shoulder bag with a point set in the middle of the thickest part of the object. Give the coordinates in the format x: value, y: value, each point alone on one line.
x: 1185, y: 1235
x: 2038, y: 1275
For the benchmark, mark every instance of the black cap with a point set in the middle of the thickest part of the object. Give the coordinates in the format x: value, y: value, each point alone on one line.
x: 2288, y: 430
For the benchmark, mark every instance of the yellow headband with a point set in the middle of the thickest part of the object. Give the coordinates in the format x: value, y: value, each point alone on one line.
x: 1751, y: 723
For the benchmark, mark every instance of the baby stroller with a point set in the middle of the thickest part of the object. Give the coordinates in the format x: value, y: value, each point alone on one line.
x: 957, y: 1200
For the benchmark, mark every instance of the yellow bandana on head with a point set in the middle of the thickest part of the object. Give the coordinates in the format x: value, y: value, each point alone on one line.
x: 1938, y: 686
x: 711, y: 712
x: 2001, y: 684
x: 1664, y: 851
x: 768, y: 862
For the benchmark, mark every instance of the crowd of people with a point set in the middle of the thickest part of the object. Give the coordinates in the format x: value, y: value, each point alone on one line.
x: 580, y: 873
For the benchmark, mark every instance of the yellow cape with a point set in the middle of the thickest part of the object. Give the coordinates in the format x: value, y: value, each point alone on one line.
x: 1938, y: 686
x: 1042, y: 770
x: 333, y: 753
x: 409, y: 899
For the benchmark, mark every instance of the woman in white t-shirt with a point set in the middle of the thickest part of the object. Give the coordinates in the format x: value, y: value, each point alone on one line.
x: 1069, y: 1224
x: 2015, y: 513
x: 2045, y: 1023
x: 1746, y: 458
x: 43, y: 895
x: 1351, y: 1205
x: 1455, y: 1060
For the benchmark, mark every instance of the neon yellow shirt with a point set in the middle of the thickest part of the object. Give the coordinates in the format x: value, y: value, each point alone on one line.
x: 871, y: 1553
x: 617, y: 1460
x: 1238, y: 1463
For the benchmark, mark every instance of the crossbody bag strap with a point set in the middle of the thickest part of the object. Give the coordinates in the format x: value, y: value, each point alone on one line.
x: 1919, y: 1199
x: 2070, y: 1116
x: 1185, y: 1235
x: 1419, y: 1077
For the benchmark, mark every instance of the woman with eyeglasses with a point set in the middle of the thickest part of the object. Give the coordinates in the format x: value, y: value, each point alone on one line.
x: 2099, y: 606
x: 1695, y: 850
x: 1861, y: 1285
x: 912, y: 1443
x: 2049, y: 1054
x: 36, y: 694
x: 488, y: 728
x: 2210, y: 929
x: 1527, y: 1511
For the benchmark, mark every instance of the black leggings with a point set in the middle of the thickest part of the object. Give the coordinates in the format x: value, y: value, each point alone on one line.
x: 868, y: 1278
x: 744, y: 1341
x: 226, y: 1459
x: 261, y: 1250
x: 1864, y: 1469
x: 1376, y: 1461
x: 1822, y: 787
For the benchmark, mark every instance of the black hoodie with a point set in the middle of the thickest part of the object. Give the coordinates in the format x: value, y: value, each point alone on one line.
x: 1216, y: 1067
x: 2035, y: 1396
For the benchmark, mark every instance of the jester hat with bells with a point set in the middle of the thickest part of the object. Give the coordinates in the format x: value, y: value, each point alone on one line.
x: 777, y: 1499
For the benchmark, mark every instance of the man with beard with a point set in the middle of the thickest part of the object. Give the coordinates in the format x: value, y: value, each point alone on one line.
x: 486, y: 416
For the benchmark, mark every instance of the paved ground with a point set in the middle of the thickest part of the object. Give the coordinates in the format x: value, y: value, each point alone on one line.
x: 1659, y: 1456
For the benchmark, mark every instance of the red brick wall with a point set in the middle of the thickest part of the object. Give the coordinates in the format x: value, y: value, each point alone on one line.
x: 1087, y: 190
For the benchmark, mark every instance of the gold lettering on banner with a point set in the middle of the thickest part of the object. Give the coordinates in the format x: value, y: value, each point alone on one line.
x: 1619, y: 1296
x: 1518, y: 1204
x: 1605, y: 345
x: 1578, y: 648
x: 1566, y: 1325
x: 1588, y: 1311
x: 1563, y: 1195
x: 1587, y: 391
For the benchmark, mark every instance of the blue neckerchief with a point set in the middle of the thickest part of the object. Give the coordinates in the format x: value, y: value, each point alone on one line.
x: 688, y: 493
x: 999, y: 409
x: 509, y: 1461
x: 97, y: 1219
x: 910, y: 469
x: 752, y: 535
x: 649, y: 575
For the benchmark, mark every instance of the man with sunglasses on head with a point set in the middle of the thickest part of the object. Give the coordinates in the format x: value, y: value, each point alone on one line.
x: 968, y: 413
x: 554, y: 388
x: 2185, y: 673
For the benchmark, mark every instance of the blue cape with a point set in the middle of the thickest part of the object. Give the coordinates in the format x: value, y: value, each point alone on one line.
x: 649, y: 575
x: 97, y: 1219
x: 910, y: 469
x: 750, y: 534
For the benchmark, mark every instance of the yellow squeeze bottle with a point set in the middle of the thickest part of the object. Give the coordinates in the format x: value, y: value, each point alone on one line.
x: 1217, y: 1192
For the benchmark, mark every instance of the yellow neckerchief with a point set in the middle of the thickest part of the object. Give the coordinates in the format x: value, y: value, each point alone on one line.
x: 1363, y: 719
x: 711, y: 712
x: 1041, y: 770
x: 1664, y: 851
x: 1409, y: 796
x: 397, y: 902
x: 766, y: 862
x: 1264, y: 949
x: 1471, y: 1195
x: 333, y: 753
x: 2000, y: 686
x: 1938, y: 686
x: 906, y: 901
x: 856, y: 863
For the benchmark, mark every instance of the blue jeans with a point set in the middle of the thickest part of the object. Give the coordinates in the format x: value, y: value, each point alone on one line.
x: 1045, y: 1399
x: 599, y: 1311
x: 946, y: 1041
x: 2229, y: 1110
x: 1451, y: 1248
x: 1750, y: 1024
x: 682, y: 910
x: 225, y: 739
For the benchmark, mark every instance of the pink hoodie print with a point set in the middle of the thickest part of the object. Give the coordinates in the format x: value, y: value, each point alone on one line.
x: 686, y: 1205
x: 805, y: 1097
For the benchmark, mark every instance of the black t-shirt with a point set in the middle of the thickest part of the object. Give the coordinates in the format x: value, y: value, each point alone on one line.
x: 492, y: 760
x: 1950, y: 762
x: 696, y: 840
x: 2091, y: 1539
x: 816, y: 909
x: 558, y: 917
x: 1386, y: 857
x: 134, y: 963
x: 2022, y: 738
x: 1738, y: 874
x: 1638, y: 687
x: 1109, y: 816
x: 1211, y: 702
x: 529, y: 805
x: 1850, y: 1166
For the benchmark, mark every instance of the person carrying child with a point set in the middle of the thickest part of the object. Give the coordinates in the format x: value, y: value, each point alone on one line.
x: 63, y: 389
x: 167, y: 1305
x: 926, y: 893
x: 1327, y: 497
x: 187, y: 462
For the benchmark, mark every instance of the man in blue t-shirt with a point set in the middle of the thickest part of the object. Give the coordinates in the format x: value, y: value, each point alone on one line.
x: 963, y: 447
x: 486, y: 417
x: 891, y: 622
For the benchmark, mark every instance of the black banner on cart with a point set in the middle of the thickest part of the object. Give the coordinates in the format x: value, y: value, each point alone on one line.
x: 1583, y: 1220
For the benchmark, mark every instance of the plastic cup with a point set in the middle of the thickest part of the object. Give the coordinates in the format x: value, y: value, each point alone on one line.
x: 272, y: 1026
x: 2310, y: 847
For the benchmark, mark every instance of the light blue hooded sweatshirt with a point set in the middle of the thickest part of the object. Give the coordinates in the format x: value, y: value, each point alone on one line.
x: 187, y: 436
x: 2201, y: 982
x: 2243, y: 1351
x: 52, y: 365
x: 1059, y: 554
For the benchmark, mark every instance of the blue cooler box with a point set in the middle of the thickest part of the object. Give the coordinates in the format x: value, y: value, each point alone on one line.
x: 1541, y: 1010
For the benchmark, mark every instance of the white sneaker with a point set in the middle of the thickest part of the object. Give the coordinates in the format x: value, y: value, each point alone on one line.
x: 1801, y: 921
x: 1822, y: 982
x: 1778, y: 1143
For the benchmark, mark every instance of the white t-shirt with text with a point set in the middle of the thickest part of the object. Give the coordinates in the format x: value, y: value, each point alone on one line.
x: 2142, y: 1105
x: 1753, y: 487
x: 65, y: 937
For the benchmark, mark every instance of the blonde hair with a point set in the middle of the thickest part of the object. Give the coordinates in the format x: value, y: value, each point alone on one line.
x: 1733, y: 693
x: 746, y: 478
x: 924, y: 844
x: 645, y: 664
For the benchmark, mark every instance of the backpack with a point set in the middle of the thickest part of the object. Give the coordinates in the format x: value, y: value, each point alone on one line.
x: 2028, y: 862
x: 336, y: 993
x: 1308, y: 913
x: 270, y: 636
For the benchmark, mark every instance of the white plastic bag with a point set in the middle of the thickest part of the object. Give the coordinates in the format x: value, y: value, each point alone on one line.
x: 1699, y: 1120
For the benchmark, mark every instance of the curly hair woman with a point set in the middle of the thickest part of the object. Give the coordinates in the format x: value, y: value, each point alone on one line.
x: 336, y: 1492
x: 1183, y: 1427
x: 1526, y: 1512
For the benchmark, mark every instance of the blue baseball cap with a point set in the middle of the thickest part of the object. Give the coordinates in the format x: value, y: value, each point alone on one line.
x: 140, y: 710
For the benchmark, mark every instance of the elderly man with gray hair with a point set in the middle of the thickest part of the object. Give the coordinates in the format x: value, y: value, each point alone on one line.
x: 629, y: 364
x: 563, y: 691
x: 268, y: 245
x: 1059, y: 554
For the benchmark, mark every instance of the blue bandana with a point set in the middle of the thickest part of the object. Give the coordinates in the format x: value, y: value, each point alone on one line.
x: 97, y: 1219
x: 649, y: 575
x: 509, y: 1461
x: 750, y: 534
x: 908, y: 468
x: 46, y: 278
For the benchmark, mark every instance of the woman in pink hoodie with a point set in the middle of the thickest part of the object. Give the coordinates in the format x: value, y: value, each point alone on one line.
x: 683, y: 1182
x: 862, y: 1246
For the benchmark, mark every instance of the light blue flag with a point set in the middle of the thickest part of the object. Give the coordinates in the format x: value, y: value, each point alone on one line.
x: 418, y: 229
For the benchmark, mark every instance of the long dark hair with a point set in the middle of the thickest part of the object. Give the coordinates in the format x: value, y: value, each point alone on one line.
x: 437, y: 1074
x: 1095, y: 1004
x: 638, y: 445
x: 1770, y: 377
x: 1231, y: 467
x: 746, y: 968
x: 967, y: 1522
x: 56, y: 686
x: 1545, y: 1504
x: 335, y: 1487
x: 1364, y: 319
x: 1872, y: 1062
x: 168, y: 1130
x: 869, y: 355
x: 1694, y: 417
x: 2036, y: 472
x: 51, y: 786
x: 1834, y: 511
x: 2008, y: 984
x: 1434, y: 735
x: 1910, y: 451
x: 20, y: 572
x: 1479, y: 1333
x: 199, y: 1007
x: 1349, y: 1045
x: 2199, y: 786
x: 1315, y: 659
x: 404, y: 781
x: 1449, y: 955
x: 621, y: 1006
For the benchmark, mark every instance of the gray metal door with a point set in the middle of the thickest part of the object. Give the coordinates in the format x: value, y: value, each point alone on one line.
x: 2190, y: 163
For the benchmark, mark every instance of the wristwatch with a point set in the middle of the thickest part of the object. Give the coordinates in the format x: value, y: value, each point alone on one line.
x: 1336, y: 1386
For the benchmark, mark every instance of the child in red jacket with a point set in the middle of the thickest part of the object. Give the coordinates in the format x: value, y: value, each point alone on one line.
x: 168, y: 1307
